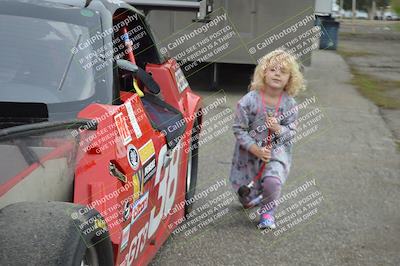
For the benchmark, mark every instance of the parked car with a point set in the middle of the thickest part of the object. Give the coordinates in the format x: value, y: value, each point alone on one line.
x: 389, y: 15
x: 347, y: 14
x: 361, y: 14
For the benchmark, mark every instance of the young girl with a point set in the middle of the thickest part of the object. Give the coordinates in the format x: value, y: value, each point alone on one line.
x: 264, y: 124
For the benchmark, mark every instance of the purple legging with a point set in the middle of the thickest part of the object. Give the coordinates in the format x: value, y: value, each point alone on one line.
x: 271, y: 190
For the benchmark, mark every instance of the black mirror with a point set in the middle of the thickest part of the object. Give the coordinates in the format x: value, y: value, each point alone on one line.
x: 126, y: 65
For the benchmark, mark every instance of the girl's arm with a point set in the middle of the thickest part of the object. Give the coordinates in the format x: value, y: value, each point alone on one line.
x: 241, y: 125
x: 289, y: 123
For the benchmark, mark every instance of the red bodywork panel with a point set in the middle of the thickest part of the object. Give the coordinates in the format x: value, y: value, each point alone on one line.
x: 164, y: 190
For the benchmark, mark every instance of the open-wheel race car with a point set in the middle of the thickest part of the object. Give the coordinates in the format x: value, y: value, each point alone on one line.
x: 98, y: 139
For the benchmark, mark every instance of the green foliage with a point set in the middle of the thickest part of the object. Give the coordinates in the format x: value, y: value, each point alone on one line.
x: 365, y: 4
x: 378, y: 91
x: 395, y: 4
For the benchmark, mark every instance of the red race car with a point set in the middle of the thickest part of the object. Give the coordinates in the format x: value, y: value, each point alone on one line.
x: 99, y: 135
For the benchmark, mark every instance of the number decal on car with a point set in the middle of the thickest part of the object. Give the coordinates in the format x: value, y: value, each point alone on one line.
x: 166, y: 192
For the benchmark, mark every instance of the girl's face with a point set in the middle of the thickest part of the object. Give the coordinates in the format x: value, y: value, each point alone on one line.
x: 276, y: 76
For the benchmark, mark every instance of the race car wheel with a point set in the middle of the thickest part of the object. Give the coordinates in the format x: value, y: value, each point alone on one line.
x: 90, y: 257
x: 192, y: 167
x: 53, y: 233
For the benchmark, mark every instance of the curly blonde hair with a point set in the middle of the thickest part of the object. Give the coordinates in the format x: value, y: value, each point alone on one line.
x: 281, y: 58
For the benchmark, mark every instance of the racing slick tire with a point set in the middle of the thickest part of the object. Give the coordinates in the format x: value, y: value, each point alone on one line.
x: 192, y: 167
x: 53, y: 233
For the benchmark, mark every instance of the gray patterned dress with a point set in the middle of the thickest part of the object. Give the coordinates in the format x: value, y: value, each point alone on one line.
x: 249, y: 128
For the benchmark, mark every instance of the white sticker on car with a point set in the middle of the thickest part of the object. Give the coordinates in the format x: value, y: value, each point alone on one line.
x: 125, y: 237
x: 132, y: 156
x: 181, y: 80
x: 122, y: 128
x: 132, y: 118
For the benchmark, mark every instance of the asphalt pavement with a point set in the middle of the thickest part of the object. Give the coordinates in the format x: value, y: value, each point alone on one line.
x: 340, y: 204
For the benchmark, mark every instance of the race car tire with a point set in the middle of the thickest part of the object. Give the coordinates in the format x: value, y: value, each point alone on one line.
x: 52, y: 233
x: 192, y: 167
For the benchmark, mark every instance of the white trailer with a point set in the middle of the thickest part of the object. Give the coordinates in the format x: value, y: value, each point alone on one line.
x: 243, y: 30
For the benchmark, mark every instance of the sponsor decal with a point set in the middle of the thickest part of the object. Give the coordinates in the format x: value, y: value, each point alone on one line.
x: 139, y: 207
x: 122, y: 128
x: 132, y: 118
x: 133, y: 156
x: 148, y: 155
x: 180, y: 80
x: 149, y: 169
x: 126, y: 210
x: 147, y: 151
x: 125, y: 237
x: 138, y: 182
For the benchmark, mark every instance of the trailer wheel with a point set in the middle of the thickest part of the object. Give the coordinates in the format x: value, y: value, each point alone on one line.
x: 53, y: 233
x: 192, y: 167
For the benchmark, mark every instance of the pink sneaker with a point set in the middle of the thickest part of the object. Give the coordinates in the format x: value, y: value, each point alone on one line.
x: 267, y: 221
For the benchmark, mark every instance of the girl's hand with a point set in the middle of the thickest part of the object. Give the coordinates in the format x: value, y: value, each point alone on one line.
x: 262, y: 153
x: 273, y: 125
